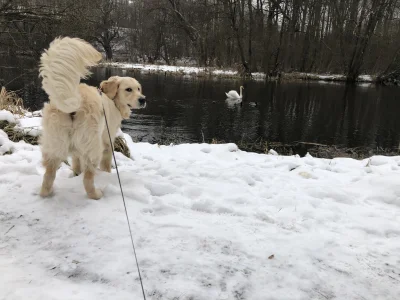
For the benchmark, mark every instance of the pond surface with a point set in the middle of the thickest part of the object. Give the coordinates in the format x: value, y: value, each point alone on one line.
x: 185, y: 109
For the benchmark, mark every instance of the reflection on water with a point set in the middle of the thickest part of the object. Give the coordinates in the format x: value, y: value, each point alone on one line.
x: 184, y: 109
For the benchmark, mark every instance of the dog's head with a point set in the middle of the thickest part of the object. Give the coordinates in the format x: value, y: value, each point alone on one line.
x: 126, y: 92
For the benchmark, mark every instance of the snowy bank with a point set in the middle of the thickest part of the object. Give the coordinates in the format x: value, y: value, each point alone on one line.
x: 28, y: 122
x: 180, y: 70
x: 209, y: 222
x: 327, y: 77
x: 202, y: 72
x: 28, y: 127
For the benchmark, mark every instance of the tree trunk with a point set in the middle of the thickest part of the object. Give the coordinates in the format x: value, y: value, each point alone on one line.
x: 364, y: 36
x: 250, y: 52
x: 109, y: 52
x: 232, y: 8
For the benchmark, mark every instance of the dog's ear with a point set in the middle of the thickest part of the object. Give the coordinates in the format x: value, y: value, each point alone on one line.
x: 110, y: 87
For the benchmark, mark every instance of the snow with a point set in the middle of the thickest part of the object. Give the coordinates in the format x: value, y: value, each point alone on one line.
x: 272, y: 152
x: 5, y: 144
x: 159, y: 68
x: 182, y: 70
x: 29, y: 123
x: 333, y: 77
x: 209, y: 222
x: 198, y: 71
x: 365, y: 78
x: 7, y: 116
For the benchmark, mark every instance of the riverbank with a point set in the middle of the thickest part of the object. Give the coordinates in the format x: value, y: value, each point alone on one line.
x: 26, y: 126
x: 232, y: 74
x: 315, y: 149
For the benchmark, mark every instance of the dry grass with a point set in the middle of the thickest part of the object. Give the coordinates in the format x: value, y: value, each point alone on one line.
x: 121, y: 146
x: 215, y: 141
x: 10, y: 101
x: 16, y: 136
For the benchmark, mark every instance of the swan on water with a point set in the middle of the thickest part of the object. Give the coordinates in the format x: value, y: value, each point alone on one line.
x: 234, y: 95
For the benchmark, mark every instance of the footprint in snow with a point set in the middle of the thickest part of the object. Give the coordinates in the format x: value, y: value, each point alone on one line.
x: 160, y: 189
x: 206, y: 150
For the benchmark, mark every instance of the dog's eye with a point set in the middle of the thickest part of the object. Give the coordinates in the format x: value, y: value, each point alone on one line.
x: 138, y: 89
x: 129, y: 105
x: 128, y: 90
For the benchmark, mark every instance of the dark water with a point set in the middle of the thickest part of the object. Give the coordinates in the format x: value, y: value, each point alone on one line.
x: 186, y: 109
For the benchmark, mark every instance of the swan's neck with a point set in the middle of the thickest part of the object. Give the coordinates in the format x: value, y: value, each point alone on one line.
x: 241, y: 92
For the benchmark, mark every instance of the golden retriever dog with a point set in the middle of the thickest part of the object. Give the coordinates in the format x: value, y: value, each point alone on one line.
x: 73, y: 120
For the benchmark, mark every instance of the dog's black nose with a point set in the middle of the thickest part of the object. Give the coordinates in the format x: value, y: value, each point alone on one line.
x: 142, y: 101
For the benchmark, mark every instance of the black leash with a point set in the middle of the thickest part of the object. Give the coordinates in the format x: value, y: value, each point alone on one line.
x: 123, y: 199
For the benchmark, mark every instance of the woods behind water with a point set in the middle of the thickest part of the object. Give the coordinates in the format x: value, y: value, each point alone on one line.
x: 340, y: 36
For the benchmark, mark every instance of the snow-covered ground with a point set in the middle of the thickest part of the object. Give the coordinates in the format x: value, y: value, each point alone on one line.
x: 181, y: 70
x: 333, y: 77
x: 198, y: 71
x: 209, y: 222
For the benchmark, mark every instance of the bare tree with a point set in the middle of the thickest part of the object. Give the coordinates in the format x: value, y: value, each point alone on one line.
x: 105, y: 21
x: 341, y: 36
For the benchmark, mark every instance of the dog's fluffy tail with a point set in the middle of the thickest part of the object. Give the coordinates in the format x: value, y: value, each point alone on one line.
x: 62, y: 66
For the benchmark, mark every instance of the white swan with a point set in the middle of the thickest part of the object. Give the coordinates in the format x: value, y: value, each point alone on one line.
x: 234, y: 95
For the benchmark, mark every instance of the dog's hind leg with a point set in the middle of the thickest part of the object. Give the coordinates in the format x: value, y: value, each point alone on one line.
x: 76, y: 165
x: 90, y: 162
x: 54, y: 143
x: 51, y: 165
x: 105, y: 164
x: 91, y: 146
x: 88, y: 182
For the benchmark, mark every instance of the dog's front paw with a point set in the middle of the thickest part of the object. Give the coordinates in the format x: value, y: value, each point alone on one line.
x: 96, y: 195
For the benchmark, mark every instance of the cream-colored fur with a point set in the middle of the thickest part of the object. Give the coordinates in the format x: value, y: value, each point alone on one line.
x: 83, y: 135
